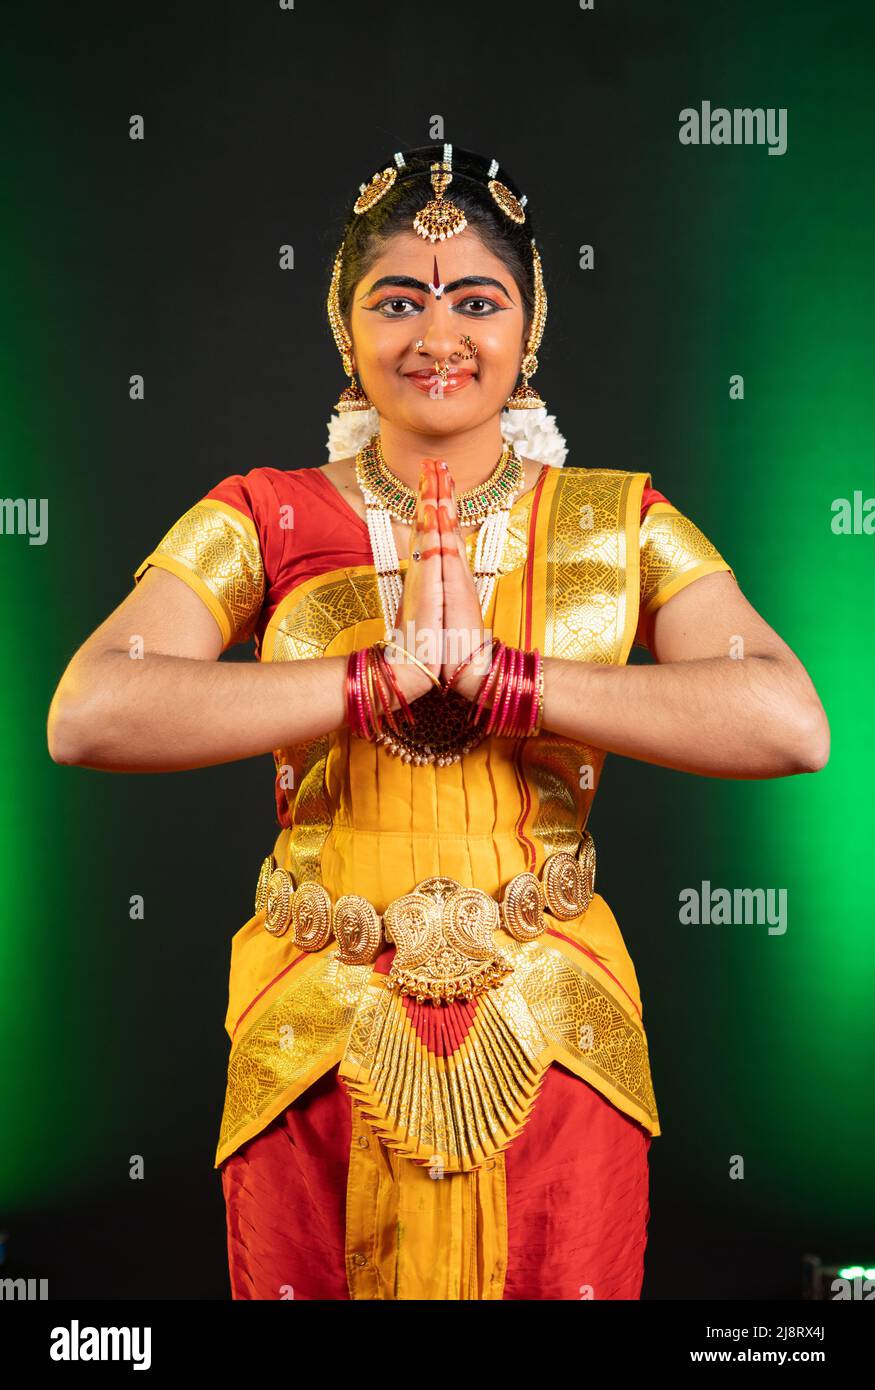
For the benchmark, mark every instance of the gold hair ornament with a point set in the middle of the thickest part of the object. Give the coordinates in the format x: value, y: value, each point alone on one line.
x: 372, y: 192
x: 511, y: 206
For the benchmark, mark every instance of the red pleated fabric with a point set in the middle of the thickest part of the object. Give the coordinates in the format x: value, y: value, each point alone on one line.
x: 285, y: 1200
x: 577, y: 1199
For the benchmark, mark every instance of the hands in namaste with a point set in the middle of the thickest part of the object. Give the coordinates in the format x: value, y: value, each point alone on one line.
x: 440, y: 618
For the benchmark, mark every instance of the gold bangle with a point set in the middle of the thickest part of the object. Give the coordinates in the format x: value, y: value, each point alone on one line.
x: 385, y: 642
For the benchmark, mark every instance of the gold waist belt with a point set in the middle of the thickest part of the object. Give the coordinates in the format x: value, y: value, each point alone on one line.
x: 443, y: 933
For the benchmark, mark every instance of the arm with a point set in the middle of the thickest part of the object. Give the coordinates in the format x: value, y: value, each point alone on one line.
x: 699, y: 709
x: 179, y: 707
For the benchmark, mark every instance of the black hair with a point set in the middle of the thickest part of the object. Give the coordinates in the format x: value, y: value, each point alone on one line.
x: 365, y: 234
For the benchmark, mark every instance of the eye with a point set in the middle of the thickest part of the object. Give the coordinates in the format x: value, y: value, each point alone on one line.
x: 389, y: 308
x: 477, y: 307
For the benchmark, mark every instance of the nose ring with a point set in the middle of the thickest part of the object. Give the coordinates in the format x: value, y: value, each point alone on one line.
x: 470, y: 347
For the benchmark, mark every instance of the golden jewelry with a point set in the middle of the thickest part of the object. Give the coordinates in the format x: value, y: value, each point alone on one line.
x: 472, y: 506
x: 510, y: 205
x: 311, y: 916
x: 372, y: 192
x: 353, y: 397
x: 280, y: 888
x: 525, y: 397
x: 444, y: 947
x: 440, y: 219
x: 569, y: 880
x: 358, y: 930
x: 387, y: 642
x: 471, y: 348
x: 443, y: 933
x: 267, y: 868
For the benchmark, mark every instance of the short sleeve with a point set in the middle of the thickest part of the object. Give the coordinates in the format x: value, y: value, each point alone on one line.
x: 216, y: 548
x: 673, y: 553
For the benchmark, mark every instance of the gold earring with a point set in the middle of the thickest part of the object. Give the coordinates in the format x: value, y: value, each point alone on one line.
x: 353, y: 397
x: 525, y: 397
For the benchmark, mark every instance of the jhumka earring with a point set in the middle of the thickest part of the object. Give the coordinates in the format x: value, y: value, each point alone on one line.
x: 440, y: 218
x: 525, y: 397
x: 353, y: 398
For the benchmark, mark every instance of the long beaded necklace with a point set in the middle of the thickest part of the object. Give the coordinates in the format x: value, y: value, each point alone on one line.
x: 442, y: 733
x: 386, y: 496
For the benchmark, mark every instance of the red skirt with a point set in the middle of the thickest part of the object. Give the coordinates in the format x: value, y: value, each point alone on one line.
x: 577, y: 1198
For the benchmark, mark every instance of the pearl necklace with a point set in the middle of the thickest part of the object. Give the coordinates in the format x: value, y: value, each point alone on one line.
x: 490, y: 547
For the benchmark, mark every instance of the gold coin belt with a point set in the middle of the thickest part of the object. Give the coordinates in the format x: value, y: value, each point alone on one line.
x: 443, y: 932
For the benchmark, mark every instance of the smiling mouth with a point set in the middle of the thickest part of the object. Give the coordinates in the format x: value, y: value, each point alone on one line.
x: 427, y: 374
x: 427, y: 381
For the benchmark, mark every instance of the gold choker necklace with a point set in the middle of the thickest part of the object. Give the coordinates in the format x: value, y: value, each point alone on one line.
x: 473, y: 506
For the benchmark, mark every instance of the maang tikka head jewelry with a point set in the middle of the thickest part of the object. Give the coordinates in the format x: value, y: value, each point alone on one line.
x: 440, y: 218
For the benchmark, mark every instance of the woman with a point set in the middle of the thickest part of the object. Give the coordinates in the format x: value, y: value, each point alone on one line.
x: 439, y: 1084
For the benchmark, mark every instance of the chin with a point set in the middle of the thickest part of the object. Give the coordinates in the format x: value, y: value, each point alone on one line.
x: 436, y: 417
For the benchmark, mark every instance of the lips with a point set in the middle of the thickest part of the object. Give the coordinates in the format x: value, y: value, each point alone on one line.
x: 428, y: 372
x: 426, y: 380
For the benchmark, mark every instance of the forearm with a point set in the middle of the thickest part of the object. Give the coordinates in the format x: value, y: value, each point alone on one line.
x: 716, y: 716
x: 170, y: 713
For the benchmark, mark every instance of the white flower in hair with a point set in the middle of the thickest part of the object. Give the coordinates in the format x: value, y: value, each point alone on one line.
x: 350, y: 432
x: 533, y: 433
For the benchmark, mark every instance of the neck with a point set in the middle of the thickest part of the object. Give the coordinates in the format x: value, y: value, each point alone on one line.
x: 472, y: 454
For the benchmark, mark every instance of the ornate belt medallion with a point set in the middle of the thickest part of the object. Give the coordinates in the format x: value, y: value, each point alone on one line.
x: 443, y: 932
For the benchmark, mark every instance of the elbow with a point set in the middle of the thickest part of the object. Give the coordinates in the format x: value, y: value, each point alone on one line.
x: 64, y: 733
x: 811, y: 742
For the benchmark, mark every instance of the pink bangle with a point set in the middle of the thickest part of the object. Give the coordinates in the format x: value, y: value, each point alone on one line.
x: 499, y: 656
x: 502, y: 704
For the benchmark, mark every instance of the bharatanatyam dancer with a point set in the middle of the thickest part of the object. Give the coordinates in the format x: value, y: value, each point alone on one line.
x: 439, y: 1084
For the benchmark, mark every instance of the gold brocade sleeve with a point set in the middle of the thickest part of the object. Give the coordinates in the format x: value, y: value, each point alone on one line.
x: 674, y: 553
x: 215, y: 550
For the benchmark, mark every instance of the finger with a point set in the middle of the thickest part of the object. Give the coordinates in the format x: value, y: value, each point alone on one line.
x: 446, y: 493
x: 453, y: 541
x: 429, y: 512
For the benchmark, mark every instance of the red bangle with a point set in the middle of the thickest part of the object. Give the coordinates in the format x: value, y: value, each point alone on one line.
x: 393, y: 681
x: 499, y: 656
x: 462, y: 664
x: 501, y: 702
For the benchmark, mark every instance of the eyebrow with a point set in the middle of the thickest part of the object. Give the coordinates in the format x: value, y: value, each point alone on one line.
x: 409, y: 282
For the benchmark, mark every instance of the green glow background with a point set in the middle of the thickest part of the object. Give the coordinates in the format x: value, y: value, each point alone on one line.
x: 709, y: 262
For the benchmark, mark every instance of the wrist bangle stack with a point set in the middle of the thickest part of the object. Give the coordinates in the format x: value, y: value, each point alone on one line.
x: 370, y: 685
x: 514, y: 688
x: 509, y: 703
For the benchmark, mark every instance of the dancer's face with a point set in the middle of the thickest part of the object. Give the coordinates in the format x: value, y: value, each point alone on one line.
x: 393, y: 307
